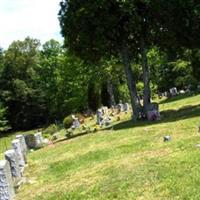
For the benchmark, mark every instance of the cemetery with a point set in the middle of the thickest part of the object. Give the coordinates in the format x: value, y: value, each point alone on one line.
x: 99, y: 100
x: 126, y: 148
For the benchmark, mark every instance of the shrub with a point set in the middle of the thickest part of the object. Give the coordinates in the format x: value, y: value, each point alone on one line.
x: 50, y: 130
x: 81, y: 118
x: 67, y: 122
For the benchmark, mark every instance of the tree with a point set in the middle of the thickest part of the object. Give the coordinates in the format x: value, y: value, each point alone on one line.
x: 93, y: 30
x: 4, y: 125
x: 21, y: 92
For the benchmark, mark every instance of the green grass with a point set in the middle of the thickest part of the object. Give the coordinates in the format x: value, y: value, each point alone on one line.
x: 129, y: 162
x: 6, y: 139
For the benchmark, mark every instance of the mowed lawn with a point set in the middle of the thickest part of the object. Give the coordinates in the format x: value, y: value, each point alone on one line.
x: 129, y: 162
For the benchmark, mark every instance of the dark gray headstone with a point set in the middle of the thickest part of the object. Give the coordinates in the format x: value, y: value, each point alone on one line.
x: 6, y: 184
x: 31, y: 141
x: 153, y: 112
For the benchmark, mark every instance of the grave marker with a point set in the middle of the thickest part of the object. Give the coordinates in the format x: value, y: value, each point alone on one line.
x: 19, y: 152
x: 6, y: 184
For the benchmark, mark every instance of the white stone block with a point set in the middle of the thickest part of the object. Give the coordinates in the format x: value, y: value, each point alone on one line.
x: 11, y: 157
x: 6, y: 184
x: 18, y: 150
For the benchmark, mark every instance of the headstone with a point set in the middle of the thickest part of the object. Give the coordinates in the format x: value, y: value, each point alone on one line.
x: 173, y: 91
x: 107, y: 121
x: 23, y: 146
x: 19, y: 152
x: 75, y: 123
x: 165, y: 94
x: 153, y: 106
x: 39, y: 139
x: 6, y: 184
x: 120, y: 107
x: 182, y: 92
x: 30, y: 141
x: 23, y: 143
x: 99, y: 117
x: 11, y: 157
x: 153, y: 112
x: 126, y: 107
x: 34, y: 141
x: 167, y: 138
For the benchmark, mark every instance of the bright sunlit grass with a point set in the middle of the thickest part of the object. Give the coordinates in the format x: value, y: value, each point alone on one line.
x: 129, y: 162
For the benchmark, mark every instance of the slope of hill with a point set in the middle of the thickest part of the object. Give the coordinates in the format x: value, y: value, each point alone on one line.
x: 129, y: 162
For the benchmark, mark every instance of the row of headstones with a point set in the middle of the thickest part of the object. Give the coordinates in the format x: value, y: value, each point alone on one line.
x: 12, y: 168
x: 103, y: 116
x: 123, y: 107
x: 172, y: 92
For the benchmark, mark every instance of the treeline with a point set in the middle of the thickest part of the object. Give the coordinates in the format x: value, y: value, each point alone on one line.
x: 43, y: 84
x: 129, y: 30
x: 113, y: 50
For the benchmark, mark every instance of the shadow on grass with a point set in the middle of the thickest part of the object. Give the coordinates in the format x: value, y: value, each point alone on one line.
x: 73, y: 136
x: 185, y: 112
x: 176, y: 98
x: 167, y: 116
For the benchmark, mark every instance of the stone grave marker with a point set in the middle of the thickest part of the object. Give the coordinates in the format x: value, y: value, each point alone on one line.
x: 76, y: 122
x: 23, y: 146
x: 34, y: 141
x: 173, y: 91
x: 153, y: 112
x: 39, y: 139
x: 11, y: 157
x: 99, y: 117
x: 6, y: 184
x: 19, y: 152
x: 126, y: 107
x: 30, y: 141
x: 120, y: 107
x: 167, y: 138
x: 23, y: 143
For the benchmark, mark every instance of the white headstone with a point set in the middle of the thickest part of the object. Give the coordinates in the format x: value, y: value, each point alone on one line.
x: 6, y: 184
x: 126, y: 107
x: 23, y: 146
x: 18, y: 150
x: 38, y: 139
x: 23, y: 143
x: 11, y: 157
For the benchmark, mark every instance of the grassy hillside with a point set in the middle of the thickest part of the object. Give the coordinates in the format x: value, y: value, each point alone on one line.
x: 129, y: 162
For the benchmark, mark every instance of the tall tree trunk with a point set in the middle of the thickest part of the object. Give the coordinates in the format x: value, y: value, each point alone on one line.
x: 110, y: 90
x: 94, y: 98
x: 135, y: 103
x: 146, y: 76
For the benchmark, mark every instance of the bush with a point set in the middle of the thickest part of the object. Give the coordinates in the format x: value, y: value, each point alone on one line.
x: 50, y: 130
x: 67, y: 122
x: 81, y: 118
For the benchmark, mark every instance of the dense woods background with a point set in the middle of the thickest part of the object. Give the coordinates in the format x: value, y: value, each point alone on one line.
x: 113, y: 50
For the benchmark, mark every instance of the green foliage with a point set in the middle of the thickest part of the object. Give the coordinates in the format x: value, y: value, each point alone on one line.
x: 67, y: 122
x: 50, y: 130
x: 4, y: 125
